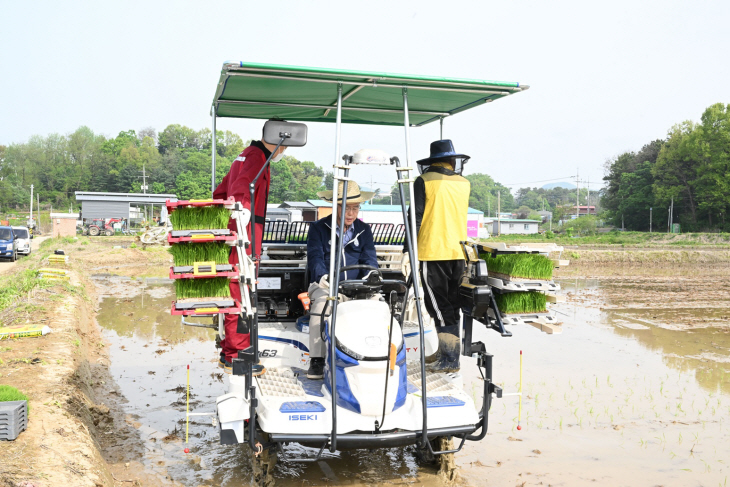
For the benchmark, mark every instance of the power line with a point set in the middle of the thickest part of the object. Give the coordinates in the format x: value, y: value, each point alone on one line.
x: 542, y: 181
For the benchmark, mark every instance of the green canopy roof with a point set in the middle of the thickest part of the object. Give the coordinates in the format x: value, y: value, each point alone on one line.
x: 262, y: 91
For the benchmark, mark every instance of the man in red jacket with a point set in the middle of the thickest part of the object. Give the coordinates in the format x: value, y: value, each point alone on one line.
x: 236, y: 184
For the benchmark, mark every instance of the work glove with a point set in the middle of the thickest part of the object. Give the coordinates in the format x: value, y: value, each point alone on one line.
x: 324, y: 282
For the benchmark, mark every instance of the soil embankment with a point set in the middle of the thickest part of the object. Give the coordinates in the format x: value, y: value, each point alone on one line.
x: 76, y: 417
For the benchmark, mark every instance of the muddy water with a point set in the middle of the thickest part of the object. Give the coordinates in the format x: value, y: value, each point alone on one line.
x: 624, y: 396
x: 150, y: 351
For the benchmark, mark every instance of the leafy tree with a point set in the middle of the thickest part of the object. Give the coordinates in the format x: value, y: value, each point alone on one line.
x: 636, y: 197
x: 282, y: 186
x: 713, y: 155
x: 675, y: 169
x: 192, y: 186
x: 484, y: 191
x: 585, y: 225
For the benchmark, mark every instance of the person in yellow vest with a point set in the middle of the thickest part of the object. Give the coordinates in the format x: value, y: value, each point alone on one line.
x: 441, y: 203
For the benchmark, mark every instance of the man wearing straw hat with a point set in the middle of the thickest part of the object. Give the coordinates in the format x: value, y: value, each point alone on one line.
x: 358, y: 248
x: 441, y: 197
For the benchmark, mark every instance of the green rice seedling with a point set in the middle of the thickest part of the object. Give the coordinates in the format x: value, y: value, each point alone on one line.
x: 526, y: 266
x: 9, y: 393
x: 216, y: 287
x: 200, y: 218
x: 521, y: 302
x: 185, y: 254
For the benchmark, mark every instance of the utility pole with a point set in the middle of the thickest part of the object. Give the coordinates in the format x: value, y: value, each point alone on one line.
x: 671, y: 217
x: 499, y: 214
x: 650, y: 219
x: 489, y: 210
x: 588, y: 203
x: 577, y: 194
x: 31, y: 205
x: 144, y: 180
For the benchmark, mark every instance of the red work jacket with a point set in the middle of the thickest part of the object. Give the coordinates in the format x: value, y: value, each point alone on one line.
x: 237, y: 183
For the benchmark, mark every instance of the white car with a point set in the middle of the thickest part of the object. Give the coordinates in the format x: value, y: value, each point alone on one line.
x: 23, y: 237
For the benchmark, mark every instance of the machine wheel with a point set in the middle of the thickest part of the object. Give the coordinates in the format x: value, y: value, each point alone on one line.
x: 94, y: 231
x: 14, y: 256
x: 108, y: 232
x: 263, y: 466
x: 445, y: 463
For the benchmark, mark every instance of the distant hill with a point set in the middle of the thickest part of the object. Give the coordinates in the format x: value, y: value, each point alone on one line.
x: 558, y: 185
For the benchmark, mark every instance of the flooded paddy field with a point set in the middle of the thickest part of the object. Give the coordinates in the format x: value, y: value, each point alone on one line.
x: 635, y: 391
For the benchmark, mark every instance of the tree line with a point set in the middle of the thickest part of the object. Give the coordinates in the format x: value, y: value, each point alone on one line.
x: 176, y: 161
x: 690, y: 168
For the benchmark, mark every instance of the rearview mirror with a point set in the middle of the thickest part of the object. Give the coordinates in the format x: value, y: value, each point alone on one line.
x: 295, y: 133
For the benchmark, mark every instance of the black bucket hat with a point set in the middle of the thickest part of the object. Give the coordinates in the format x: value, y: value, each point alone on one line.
x: 441, y: 151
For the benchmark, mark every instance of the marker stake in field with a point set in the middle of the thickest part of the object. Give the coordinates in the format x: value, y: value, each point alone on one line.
x: 187, y: 406
x: 519, y: 413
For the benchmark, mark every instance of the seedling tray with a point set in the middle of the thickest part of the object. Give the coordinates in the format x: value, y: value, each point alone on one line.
x: 497, y: 248
x: 217, y: 232
x: 203, y: 271
x: 171, y: 205
x: 511, y: 284
x: 201, y: 307
x: 13, y: 419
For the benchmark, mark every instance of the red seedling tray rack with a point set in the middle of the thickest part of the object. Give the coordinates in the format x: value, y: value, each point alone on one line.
x: 236, y: 309
x: 171, y: 205
x: 190, y: 275
x: 202, y: 238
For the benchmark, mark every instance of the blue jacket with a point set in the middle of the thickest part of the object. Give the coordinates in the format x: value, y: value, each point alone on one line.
x: 359, y: 250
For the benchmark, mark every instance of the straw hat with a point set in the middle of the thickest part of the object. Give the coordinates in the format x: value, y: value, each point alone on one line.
x: 354, y: 195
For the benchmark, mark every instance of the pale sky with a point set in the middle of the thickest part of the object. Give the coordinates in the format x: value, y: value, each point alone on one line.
x: 605, y: 77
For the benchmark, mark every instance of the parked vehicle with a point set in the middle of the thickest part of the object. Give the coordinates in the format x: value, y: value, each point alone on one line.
x: 8, y: 244
x: 23, y: 236
x: 98, y: 226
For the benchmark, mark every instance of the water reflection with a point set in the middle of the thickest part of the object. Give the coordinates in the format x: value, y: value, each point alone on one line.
x: 623, y: 385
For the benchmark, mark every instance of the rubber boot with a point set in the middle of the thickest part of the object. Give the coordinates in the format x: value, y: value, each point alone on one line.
x: 447, y: 359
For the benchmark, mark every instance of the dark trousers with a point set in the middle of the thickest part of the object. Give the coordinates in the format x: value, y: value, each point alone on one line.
x: 441, y: 280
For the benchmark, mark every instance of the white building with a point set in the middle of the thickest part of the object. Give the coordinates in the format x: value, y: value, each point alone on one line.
x: 512, y: 226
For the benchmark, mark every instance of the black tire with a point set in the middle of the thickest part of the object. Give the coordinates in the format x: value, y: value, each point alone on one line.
x: 14, y: 256
x: 108, y: 232
x: 94, y: 231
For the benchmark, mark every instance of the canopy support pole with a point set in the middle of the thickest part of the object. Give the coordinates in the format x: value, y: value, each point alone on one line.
x: 441, y: 133
x: 415, y: 271
x: 212, y: 183
x: 334, y: 276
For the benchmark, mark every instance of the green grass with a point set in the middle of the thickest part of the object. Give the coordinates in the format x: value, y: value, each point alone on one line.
x: 526, y: 266
x: 9, y: 393
x: 529, y: 302
x: 55, y: 242
x: 217, y: 287
x: 200, y: 218
x: 15, y: 285
x: 190, y: 253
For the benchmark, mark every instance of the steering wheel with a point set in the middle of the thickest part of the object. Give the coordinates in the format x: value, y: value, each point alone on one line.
x: 358, y: 266
x: 357, y: 286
